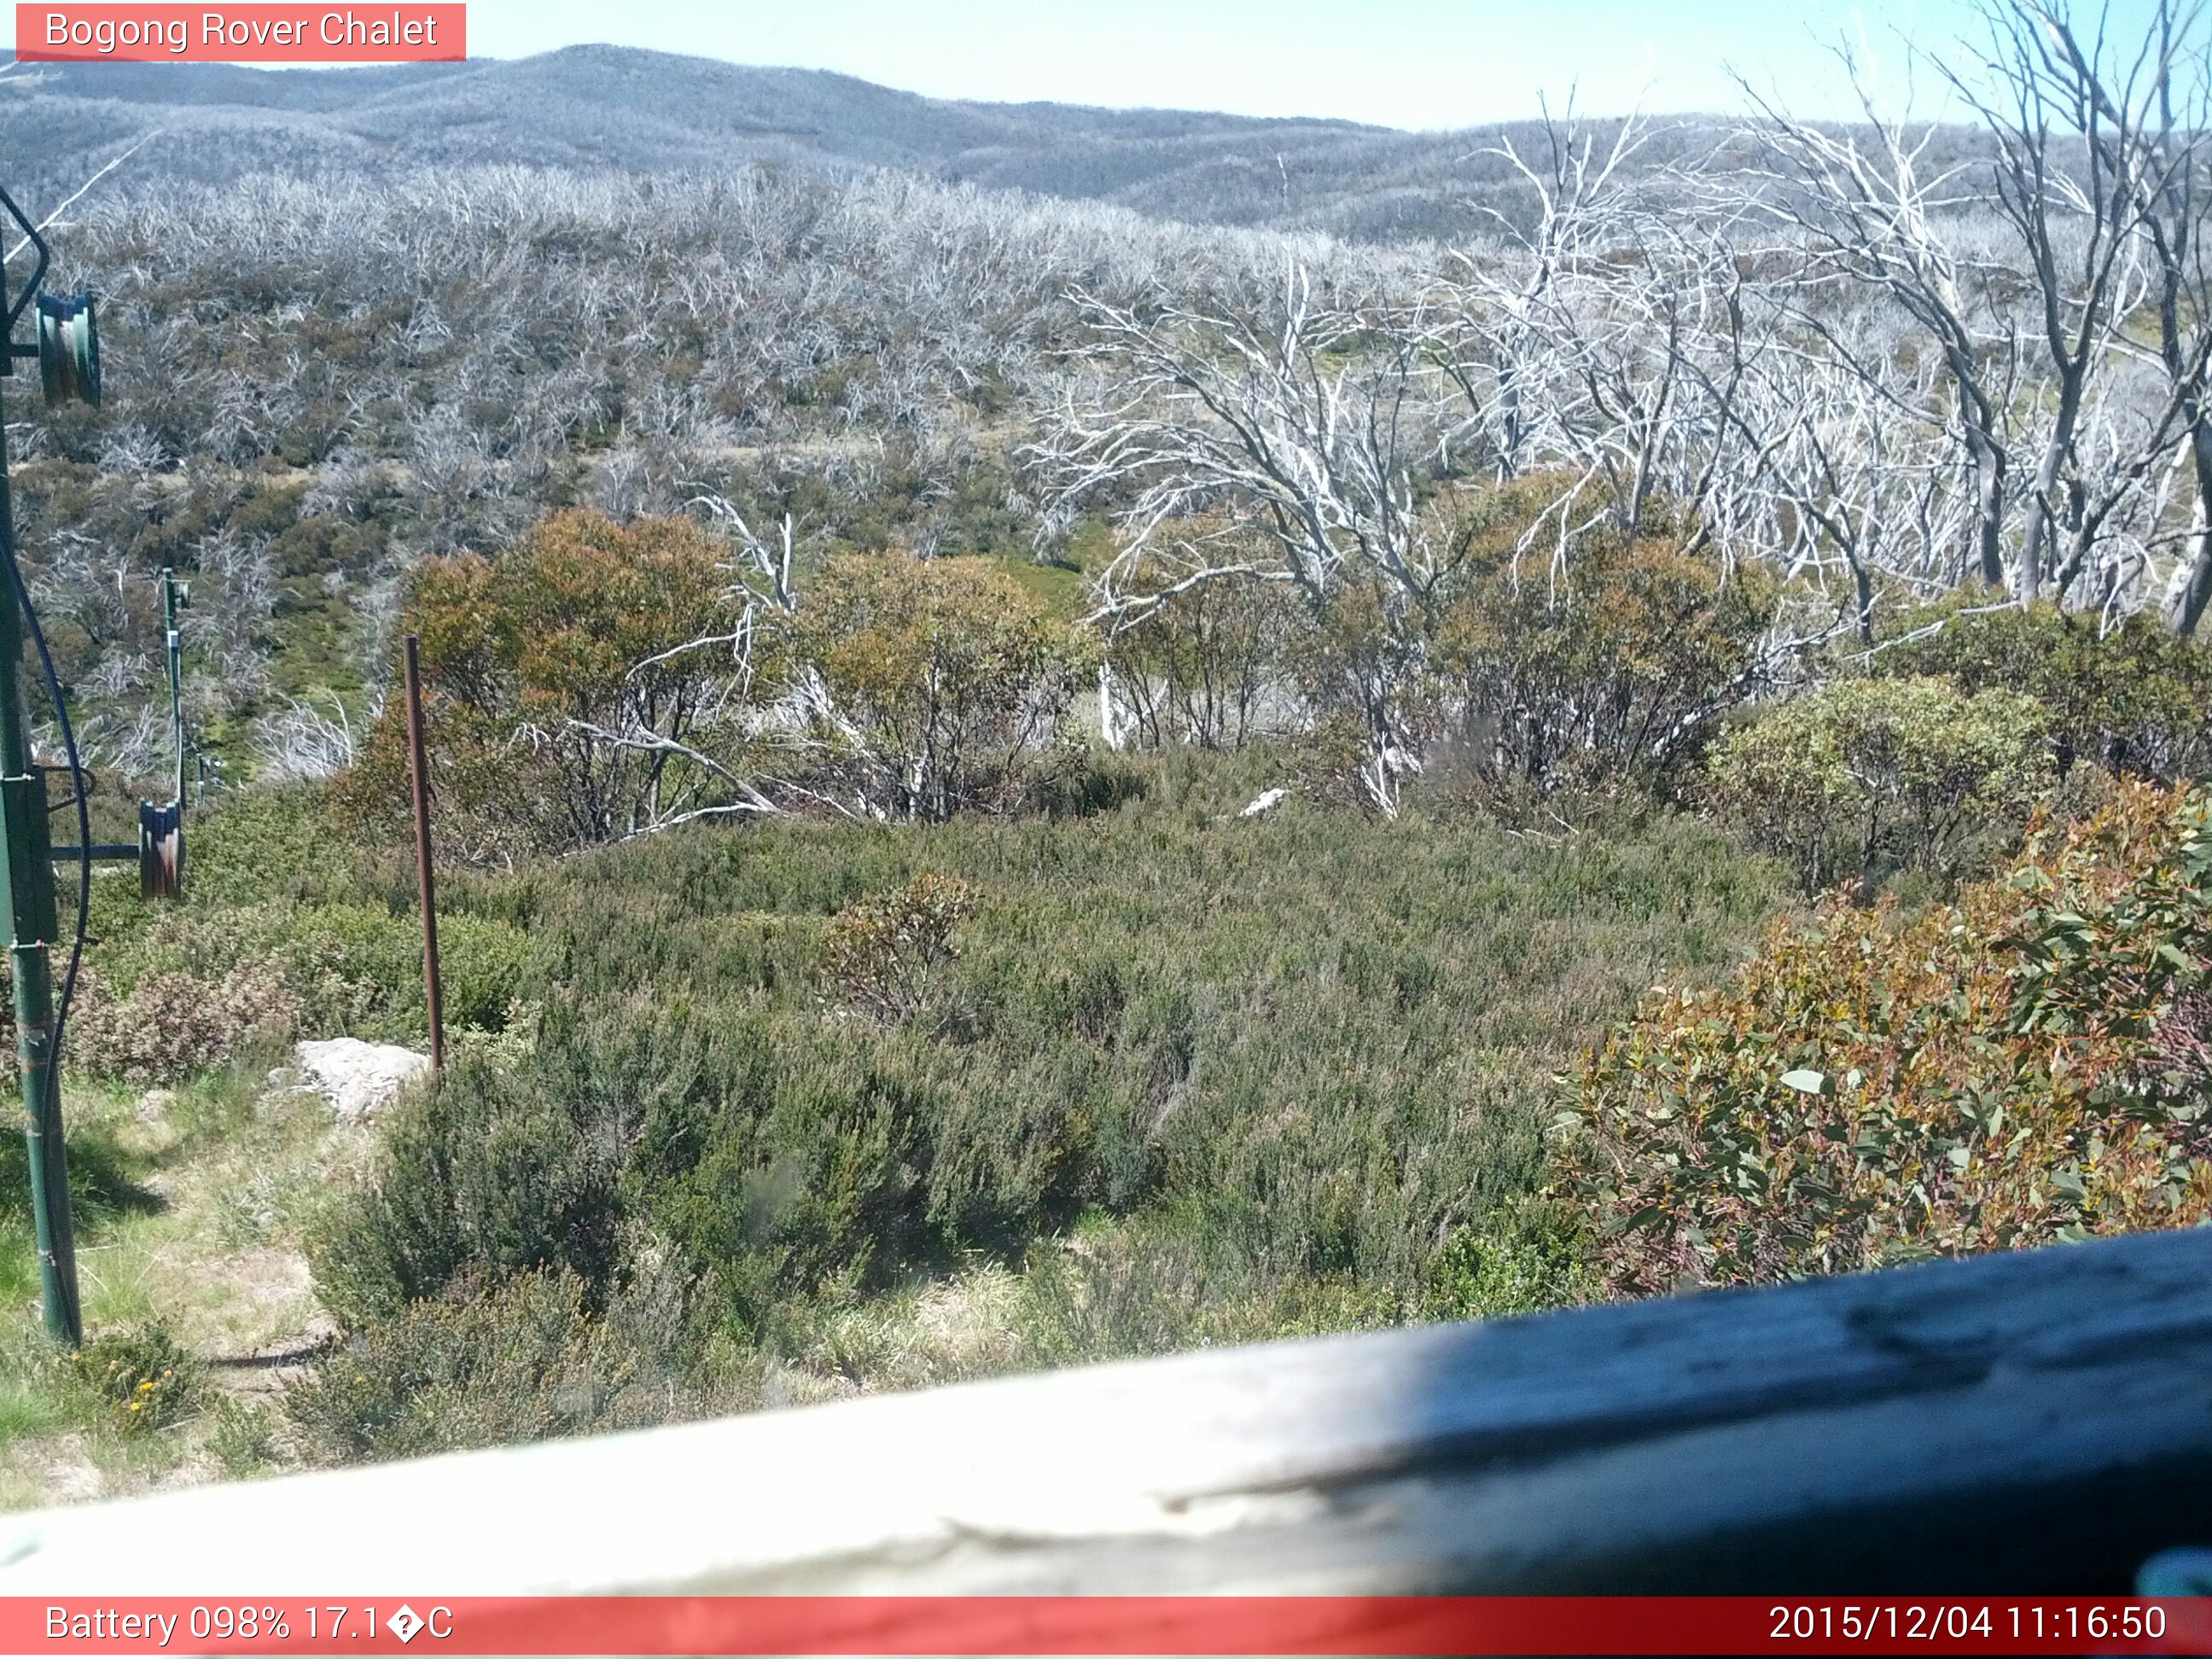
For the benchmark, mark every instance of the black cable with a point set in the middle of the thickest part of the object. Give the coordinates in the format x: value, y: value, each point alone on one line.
x: 83, y: 833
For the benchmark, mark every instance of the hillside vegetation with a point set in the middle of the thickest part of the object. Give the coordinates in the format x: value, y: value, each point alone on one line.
x: 769, y: 1109
x: 769, y: 1113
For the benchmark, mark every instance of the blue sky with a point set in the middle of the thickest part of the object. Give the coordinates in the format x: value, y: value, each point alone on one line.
x: 1421, y: 64
x: 1397, y: 63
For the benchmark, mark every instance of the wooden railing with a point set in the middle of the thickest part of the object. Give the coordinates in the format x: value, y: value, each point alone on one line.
x: 2037, y: 1421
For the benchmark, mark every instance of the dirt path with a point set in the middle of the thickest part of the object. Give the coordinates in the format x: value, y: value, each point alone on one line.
x: 210, y: 1243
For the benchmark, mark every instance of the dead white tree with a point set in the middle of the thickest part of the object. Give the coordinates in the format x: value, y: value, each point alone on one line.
x: 1847, y: 480
x: 1874, y: 210
x: 2070, y: 178
x: 2055, y: 266
x: 1310, y: 431
x: 1309, y: 421
x: 1501, y: 308
x: 2138, y: 110
x: 300, y: 741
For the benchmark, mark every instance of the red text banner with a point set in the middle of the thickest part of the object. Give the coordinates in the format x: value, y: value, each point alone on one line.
x: 260, y: 33
x: 1102, y: 1624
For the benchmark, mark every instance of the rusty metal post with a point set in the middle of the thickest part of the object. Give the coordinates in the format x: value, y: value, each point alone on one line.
x: 419, y: 769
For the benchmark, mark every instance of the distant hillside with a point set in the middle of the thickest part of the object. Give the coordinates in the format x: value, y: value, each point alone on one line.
x: 597, y: 107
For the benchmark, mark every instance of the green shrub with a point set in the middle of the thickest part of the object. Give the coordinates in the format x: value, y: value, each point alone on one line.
x: 258, y: 843
x: 935, y: 685
x: 244, y: 1439
x: 1156, y: 1284
x: 797, y: 1158
x: 544, y: 667
x: 2132, y: 698
x: 1864, y: 776
x: 1283, y: 1060
x: 487, y: 1173
x: 2022, y: 1066
x: 817, y: 1185
x: 1362, y: 666
x: 1327, y: 763
x: 360, y: 969
x: 1523, y: 1263
x: 1204, y: 666
x: 521, y: 1359
x: 1082, y: 781
x: 1609, y: 667
x: 346, y: 967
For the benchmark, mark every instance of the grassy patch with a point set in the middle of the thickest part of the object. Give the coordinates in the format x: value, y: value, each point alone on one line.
x: 189, y: 1206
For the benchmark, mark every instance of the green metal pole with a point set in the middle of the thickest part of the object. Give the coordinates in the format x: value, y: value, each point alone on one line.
x: 26, y: 865
x: 176, y: 679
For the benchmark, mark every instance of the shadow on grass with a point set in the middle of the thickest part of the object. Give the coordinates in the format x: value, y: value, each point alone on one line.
x: 105, y: 1182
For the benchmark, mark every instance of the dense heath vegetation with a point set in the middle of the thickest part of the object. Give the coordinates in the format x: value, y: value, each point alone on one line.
x: 771, y: 1111
x: 774, y: 1105
x: 1020, y: 784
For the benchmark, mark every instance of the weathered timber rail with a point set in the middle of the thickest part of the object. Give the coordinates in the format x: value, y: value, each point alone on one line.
x: 2038, y: 1421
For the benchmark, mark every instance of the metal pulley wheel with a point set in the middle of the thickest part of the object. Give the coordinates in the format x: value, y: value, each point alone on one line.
x: 68, y: 350
x: 161, y: 850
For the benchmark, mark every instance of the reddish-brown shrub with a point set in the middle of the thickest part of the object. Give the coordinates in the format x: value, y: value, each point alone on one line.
x: 172, y: 1025
x: 2025, y: 1065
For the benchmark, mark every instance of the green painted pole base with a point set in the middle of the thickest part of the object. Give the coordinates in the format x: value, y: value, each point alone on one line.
x: 23, y: 808
x: 27, y: 872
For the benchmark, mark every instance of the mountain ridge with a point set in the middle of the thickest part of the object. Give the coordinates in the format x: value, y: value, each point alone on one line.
x: 626, y: 108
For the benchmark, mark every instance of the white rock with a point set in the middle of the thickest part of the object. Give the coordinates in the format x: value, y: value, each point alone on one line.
x: 359, y: 1078
x: 1261, y: 802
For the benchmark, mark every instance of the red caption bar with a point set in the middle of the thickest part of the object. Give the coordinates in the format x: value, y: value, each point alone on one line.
x: 1104, y: 1625
x: 234, y: 34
